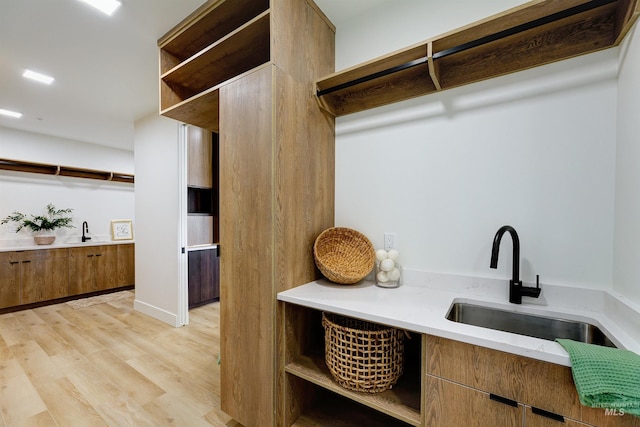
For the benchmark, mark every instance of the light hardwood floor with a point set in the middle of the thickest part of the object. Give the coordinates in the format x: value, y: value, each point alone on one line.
x: 107, y: 365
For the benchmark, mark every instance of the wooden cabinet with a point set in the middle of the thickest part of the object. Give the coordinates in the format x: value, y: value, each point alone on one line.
x: 9, y: 280
x: 204, y: 276
x: 199, y: 157
x: 545, y: 390
x: 44, y: 275
x: 92, y: 268
x: 229, y: 68
x: 126, y: 265
x: 445, y: 384
x: 33, y: 276
x: 202, y: 186
x: 535, y: 33
x: 37, y: 276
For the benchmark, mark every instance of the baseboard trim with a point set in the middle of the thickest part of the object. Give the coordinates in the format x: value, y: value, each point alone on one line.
x: 156, y: 313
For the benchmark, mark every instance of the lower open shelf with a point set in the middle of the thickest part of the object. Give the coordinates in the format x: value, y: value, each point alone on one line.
x: 330, y: 409
x: 401, y: 402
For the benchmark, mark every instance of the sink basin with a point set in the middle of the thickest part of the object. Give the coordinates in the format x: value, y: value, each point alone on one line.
x: 548, y: 328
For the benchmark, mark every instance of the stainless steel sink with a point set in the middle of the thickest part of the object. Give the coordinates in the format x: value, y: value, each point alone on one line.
x: 548, y: 328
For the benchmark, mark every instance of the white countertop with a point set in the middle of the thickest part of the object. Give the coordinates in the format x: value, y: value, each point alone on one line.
x: 205, y: 247
x: 421, y: 303
x: 59, y: 243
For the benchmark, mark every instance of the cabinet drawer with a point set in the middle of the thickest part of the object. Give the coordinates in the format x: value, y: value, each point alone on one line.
x: 452, y: 405
x: 532, y: 382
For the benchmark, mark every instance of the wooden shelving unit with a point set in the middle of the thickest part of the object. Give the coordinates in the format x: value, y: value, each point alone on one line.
x: 218, y: 42
x: 48, y: 169
x: 401, y: 402
x: 536, y: 33
x: 229, y: 68
x: 310, y: 377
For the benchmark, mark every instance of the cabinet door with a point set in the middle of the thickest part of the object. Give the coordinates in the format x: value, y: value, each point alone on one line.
x: 204, y: 281
x: 9, y: 280
x: 246, y: 263
x: 44, y: 275
x: 449, y: 404
x: 126, y: 265
x: 199, y: 157
x: 81, y: 271
x: 105, y: 263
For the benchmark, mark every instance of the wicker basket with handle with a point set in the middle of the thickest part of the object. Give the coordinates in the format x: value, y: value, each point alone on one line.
x: 343, y: 255
x: 362, y: 356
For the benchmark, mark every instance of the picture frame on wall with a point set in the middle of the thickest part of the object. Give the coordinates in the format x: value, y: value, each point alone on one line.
x: 122, y: 229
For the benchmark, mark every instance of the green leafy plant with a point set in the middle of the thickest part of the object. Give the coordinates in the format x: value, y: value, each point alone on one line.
x: 52, y: 219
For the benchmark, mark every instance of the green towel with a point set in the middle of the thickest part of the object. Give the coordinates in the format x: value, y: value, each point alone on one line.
x: 605, y: 377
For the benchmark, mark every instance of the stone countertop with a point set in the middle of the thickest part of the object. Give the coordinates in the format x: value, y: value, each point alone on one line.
x: 422, y: 302
x: 12, y: 246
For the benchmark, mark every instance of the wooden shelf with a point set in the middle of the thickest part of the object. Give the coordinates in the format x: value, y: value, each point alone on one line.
x: 536, y: 33
x: 201, y: 110
x: 333, y: 410
x: 218, y: 41
x: 210, y: 23
x: 401, y: 402
x: 47, y: 169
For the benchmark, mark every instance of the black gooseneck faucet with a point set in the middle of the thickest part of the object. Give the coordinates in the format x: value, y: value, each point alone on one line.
x: 85, y: 228
x: 516, y: 290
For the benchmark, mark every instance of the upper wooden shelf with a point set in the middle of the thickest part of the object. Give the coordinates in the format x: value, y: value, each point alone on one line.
x: 218, y: 42
x: 48, y: 169
x: 536, y: 33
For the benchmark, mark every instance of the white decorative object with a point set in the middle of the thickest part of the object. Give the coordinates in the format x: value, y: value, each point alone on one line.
x: 388, y: 271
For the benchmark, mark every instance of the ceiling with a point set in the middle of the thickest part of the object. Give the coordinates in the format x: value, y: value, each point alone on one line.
x: 105, y: 67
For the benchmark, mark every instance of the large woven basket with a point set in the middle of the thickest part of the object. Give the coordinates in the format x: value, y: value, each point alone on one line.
x: 343, y: 255
x: 362, y: 356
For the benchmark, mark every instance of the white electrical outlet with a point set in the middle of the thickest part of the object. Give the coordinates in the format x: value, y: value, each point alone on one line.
x: 389, y: 241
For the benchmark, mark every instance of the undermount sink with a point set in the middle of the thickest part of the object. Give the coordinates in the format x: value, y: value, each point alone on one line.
x: 548, y: 328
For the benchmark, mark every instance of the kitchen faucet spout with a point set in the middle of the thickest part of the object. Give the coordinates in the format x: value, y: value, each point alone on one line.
x: 516, y: 290
x: 85, y: 229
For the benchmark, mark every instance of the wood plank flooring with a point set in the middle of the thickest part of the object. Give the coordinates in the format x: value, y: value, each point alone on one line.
x: 108, y: 365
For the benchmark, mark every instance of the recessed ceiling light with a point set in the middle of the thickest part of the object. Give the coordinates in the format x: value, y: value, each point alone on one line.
x: 10, y: 113
x: 105, y: 6
x: 42, y: 78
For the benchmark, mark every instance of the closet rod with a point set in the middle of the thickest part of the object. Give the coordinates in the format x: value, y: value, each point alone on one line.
x: 474, y: 43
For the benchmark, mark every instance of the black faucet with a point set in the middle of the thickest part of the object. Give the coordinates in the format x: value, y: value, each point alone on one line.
x: 85, y: 228
x: 516, y: 290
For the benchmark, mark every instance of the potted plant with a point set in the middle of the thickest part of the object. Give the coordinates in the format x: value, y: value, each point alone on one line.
x: 42, y: 225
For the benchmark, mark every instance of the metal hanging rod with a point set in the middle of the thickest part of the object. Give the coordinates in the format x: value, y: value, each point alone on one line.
x: 475, y: 43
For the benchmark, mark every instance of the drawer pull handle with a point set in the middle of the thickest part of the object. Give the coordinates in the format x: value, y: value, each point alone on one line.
x: 504, y: 400
x: 547, y: 414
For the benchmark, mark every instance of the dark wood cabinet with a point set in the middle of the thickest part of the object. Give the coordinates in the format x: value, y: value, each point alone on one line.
x: 204, y: 276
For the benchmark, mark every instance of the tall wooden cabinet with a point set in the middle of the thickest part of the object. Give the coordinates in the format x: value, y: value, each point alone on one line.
x: 246, y: 69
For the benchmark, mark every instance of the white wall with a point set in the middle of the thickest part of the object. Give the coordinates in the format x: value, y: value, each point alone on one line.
x: 627, y: 207
x: 535, y: 149
x: 157, y: 214
x: 94, y: 201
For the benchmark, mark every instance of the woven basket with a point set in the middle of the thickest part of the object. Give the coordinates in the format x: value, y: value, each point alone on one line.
x: 362, y: 356
x: 343, y: 255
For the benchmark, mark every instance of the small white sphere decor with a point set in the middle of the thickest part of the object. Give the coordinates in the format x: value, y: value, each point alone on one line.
x: 388, y: 271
